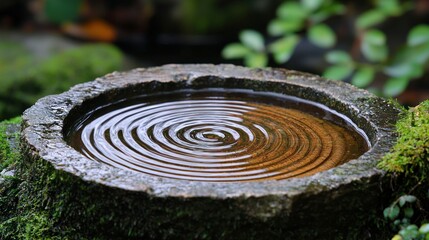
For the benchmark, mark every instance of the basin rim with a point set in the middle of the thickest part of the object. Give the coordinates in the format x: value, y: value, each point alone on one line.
x: 43, y: 123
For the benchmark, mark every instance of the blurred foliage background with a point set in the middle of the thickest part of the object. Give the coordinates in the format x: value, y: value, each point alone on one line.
x: 382, y: 46
x: 25, y: 79
x: 46, y: 46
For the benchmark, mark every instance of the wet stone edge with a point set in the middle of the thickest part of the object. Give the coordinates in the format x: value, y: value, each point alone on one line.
x: 255, y: 202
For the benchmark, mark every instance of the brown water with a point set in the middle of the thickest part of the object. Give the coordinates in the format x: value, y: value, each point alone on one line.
x: 218, y: 135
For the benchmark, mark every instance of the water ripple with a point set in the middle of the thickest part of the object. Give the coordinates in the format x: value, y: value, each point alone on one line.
x: 215, y: 136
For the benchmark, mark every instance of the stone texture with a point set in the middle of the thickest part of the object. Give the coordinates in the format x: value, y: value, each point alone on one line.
x: 339, y: 202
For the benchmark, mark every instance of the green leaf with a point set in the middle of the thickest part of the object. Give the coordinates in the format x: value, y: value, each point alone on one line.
x: 424, y: 229
x: 391, y: 212
x: 283, y: 48
x: 256, y: 60
x: 252, y: 39
x: 338, y: 72
x: 409, y: 232
x: 395, y: 86
x: 338, y: 56
x: 406, y: 198
x: 374, y: 37
x: 311, y: 5
x: 375, y: 53
x: 390, y: 7
x: 370, y: 18
x: 322, y: 35
x: 373, y: 46
x: 363, y: 77
x: 281, y: 26
x: 408, y: 212
x: 292, y: 10
x: 405, y: 69
x: 416, y: 54
x: 397, y: 237
x: 420, y: 53
x: 235, y: 50
x: 327, y: 11
x: 418, y: 35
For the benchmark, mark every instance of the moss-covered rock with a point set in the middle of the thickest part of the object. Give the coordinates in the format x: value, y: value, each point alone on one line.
x: 410, y: 155
x: 29, y: 209
x: 9, y: 183
x: 408, y: 165
x: 24, y: 79
x: 48, y: 198
x: 92, y: 200
x: 8, y: 142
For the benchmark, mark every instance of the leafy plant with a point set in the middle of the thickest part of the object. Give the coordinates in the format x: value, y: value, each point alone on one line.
x: 251, y: 48
x: 369, y: 55
x: 409, y: 156
x: 291, y: 18
x: 401, y: 212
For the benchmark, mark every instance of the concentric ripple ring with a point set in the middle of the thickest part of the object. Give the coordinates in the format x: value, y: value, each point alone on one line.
x: 218, y: 135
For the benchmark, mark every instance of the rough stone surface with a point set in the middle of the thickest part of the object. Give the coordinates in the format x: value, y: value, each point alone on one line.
x: 6, y: 173
x: 334, y: 203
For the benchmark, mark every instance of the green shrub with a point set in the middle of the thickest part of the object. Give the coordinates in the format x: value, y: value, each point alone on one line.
x: 400, y: 213
x: 24, y: 80
x: 369, y: 55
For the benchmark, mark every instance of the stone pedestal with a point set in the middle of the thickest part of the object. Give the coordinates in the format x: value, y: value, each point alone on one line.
x: 99, y: 200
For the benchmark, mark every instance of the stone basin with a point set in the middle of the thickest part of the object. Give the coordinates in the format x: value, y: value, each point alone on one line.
x: 337, y: 203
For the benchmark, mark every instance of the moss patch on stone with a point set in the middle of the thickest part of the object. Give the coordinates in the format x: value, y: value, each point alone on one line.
x: 44, y: 201
x: 21, y: 210
x: 7, y: 155
x: 28, y: 209
x: 410, y: 155
x: 9, y: 184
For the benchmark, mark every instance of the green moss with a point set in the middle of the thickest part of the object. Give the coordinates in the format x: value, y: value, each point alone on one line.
x: 31, y: 208
x: 25, y: 80
x: 9, y: 186
x: 28, y: 226
x: 7, y: 156
x: 410, y: 155
x: 22, y: 215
